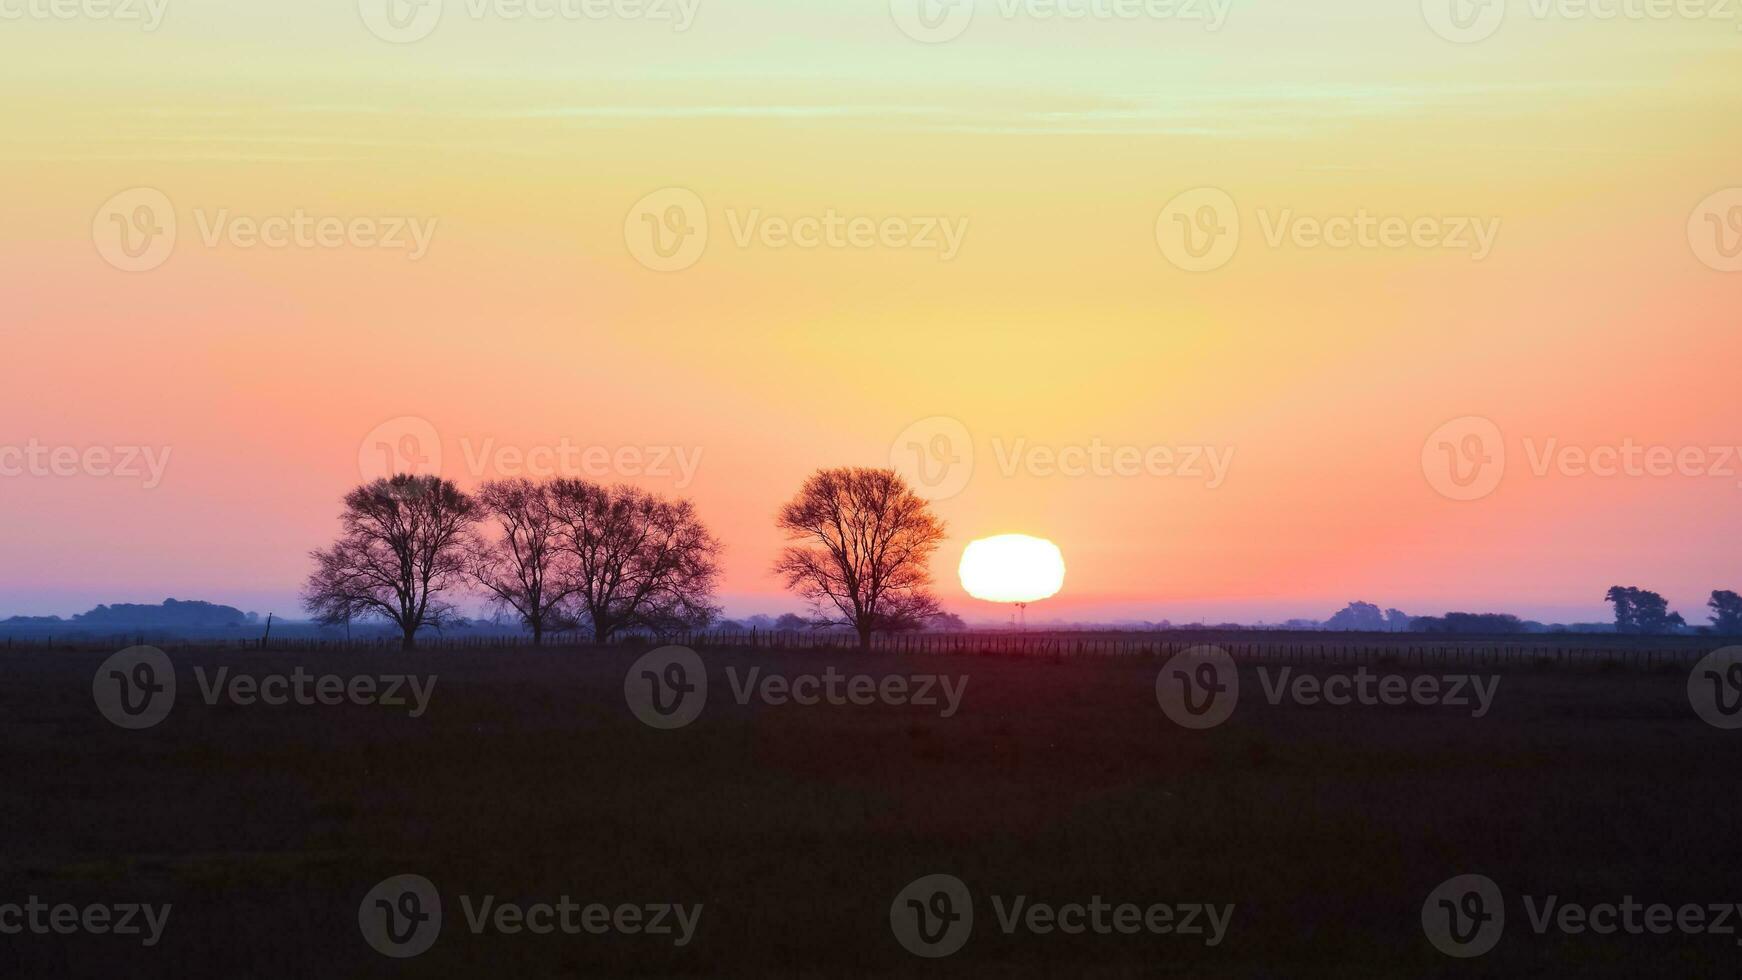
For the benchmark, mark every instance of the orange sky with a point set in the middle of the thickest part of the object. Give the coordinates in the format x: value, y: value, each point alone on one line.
x: 1597, y: 315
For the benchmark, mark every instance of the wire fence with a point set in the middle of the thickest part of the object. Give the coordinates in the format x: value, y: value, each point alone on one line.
x: 1280, y: 649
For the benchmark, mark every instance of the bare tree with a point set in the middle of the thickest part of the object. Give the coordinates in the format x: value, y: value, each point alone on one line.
x: 638, y: 561
x: 863, y: 542
x: 403, y: 542
x: 523, y: 567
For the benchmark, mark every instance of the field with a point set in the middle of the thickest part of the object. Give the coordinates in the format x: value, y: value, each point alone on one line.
x: 1059, y: 778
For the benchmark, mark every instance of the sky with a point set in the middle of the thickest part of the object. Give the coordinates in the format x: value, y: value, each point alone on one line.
x: 1483, y: 284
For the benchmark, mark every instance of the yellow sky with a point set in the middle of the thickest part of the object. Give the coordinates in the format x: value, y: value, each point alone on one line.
x: 1059, y: 321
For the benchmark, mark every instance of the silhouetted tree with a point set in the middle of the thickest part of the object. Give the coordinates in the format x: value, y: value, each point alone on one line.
x: 402, y: 543
x: 524, y: 568
x: 863, y: 541
x: 946, y: 623
x: 639, y: 561
x: 1726, y: 612
x: 1642, y: 613
x: 1397, y: 621
x: 1363, y: 616
x: 1457, y: 622
x: 789, y: 621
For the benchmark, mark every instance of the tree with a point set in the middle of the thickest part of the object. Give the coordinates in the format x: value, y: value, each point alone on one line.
x: 945, y: 622
x: 790, y: 622
x: 638, y: 561
x: 1726, y: 612
x: 402, y: 543
x: 862, y: 544
x: 1642, y: 613
x: 1364, y: 616
x: 523, y: 568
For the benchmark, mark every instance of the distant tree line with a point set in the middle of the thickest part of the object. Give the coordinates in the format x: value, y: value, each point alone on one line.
x: 570, y: 555
x: 1638, y: 612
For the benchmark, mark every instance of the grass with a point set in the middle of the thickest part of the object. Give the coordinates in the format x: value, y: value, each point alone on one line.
x: 528, y: 779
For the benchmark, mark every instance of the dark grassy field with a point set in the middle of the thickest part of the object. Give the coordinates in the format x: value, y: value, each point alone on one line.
x: 1060, y: 779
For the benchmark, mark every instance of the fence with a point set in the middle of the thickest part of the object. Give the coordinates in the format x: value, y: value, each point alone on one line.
x: 1280, y: 649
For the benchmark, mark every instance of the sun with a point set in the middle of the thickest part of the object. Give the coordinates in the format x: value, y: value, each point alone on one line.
x: 1012, y: 568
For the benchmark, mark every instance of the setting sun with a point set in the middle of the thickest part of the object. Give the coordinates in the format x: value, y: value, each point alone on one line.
x: 1012, y: 568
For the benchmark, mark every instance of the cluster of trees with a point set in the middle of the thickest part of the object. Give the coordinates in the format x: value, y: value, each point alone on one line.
x: 567, y: 554
x: 1637, y: 612
x: 1366, y: 617
x: 1640, y: 612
